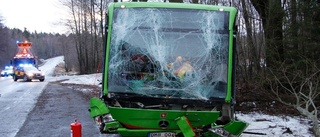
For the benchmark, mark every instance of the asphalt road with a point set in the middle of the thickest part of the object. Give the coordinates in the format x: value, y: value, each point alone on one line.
x: 17, y: 99
x: 56, y: 109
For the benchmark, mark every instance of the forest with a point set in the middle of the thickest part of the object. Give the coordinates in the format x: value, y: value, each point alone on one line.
x: 277, y: 50
x: 44, y: 45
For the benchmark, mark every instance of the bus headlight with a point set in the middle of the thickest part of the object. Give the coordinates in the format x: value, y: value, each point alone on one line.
x: 107, y: 118
x: 103, y: 119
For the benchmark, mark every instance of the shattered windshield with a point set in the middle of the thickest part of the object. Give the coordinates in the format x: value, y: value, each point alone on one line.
x: 172, y: 53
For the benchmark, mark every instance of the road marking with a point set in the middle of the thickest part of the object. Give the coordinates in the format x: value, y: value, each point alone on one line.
x: 7, y: 108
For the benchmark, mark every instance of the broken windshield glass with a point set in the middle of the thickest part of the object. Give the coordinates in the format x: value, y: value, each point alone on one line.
x: 177, y: 53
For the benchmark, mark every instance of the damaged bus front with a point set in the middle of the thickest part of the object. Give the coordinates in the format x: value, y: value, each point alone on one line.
x: 169, y: 71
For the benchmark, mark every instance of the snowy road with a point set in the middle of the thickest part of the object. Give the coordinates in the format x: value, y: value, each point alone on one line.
x: 16, y: 101
x: 18, y: 98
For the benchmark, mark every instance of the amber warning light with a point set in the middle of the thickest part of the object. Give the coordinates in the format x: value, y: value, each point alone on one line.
x: 24, y: 45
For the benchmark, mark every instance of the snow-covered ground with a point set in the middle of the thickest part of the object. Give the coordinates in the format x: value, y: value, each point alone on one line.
x: 268, y: 125
x: 275, y: 126
x: 48, y: 66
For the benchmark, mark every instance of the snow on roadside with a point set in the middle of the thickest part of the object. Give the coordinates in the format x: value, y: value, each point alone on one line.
x: 90, y: 79
x: 48, y: 67
x: 275, y: 126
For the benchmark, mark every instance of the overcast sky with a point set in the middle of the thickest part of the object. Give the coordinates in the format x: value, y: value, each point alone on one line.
x: 39, y: 15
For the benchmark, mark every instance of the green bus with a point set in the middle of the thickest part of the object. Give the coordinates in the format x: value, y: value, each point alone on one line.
x: 169, y: 71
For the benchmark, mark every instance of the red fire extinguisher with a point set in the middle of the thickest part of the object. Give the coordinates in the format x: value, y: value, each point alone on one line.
x: 76, y: 129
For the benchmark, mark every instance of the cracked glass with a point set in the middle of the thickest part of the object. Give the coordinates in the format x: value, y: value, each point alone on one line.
x: 169, y: 53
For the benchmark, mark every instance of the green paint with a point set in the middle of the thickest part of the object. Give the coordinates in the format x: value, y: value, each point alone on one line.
x: 139, y: 122
x: 97, y: 107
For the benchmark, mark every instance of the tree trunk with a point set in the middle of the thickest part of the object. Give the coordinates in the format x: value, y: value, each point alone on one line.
x: 271, y: 14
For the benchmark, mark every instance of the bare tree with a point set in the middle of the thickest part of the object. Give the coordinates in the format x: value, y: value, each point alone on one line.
x: 299, y: 89
x: 271, y: 13
x: 7, y: 48
x: 251, y: 39
x: 3, y: 44
x: 87, y: 29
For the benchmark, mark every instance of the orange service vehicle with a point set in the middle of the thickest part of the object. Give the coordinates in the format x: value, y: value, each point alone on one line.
x: 24, y: 57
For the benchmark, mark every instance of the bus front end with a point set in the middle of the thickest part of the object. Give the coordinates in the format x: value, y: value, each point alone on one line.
x: 169, y: 71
